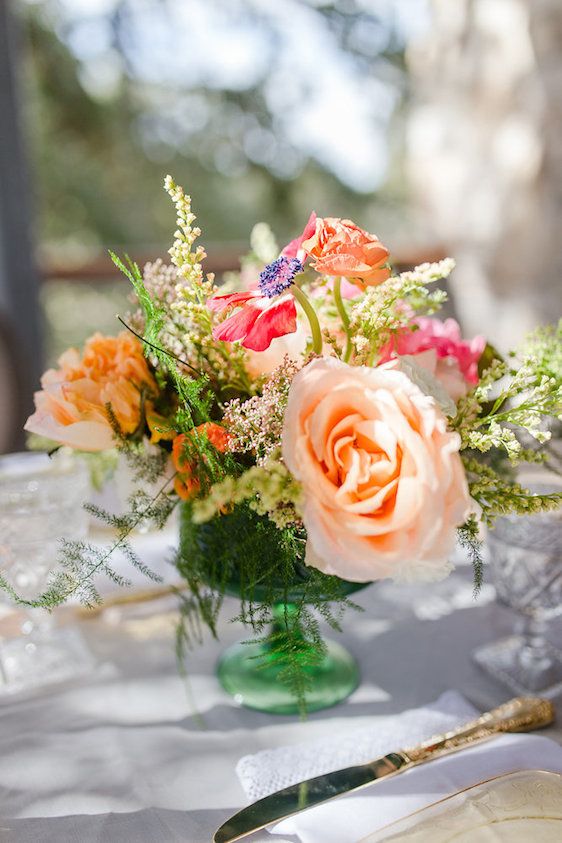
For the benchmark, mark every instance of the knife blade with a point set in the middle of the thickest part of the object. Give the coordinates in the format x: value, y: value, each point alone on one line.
x: 522, y: 714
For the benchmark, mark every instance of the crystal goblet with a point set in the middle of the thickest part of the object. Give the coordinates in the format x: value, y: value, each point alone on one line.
x: 526, y: 567
x: 41, y: 501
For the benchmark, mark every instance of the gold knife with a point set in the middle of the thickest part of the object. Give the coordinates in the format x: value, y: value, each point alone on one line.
x: 523, y: 714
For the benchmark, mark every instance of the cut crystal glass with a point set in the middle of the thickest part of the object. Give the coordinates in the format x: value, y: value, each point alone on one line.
x: 526, y: 567
x: 41, y: 502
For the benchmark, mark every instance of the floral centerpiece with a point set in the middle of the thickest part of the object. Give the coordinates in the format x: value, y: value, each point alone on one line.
x: 318, y: 427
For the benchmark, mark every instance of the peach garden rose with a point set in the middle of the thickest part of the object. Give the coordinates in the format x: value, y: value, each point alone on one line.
x: 383, y: 483
x: 71, y: 407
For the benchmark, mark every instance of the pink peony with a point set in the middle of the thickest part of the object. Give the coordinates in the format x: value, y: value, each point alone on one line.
x: 384, y: 486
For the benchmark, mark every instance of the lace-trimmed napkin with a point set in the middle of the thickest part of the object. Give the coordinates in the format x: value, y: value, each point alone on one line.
x: 348, y: 819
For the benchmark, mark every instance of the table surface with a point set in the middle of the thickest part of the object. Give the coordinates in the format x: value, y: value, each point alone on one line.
x: 136, y: 752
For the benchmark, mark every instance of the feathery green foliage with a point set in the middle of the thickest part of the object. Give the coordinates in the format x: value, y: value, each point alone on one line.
x: 194, y: 404
x: 469, y: 538
x: 80, y: 563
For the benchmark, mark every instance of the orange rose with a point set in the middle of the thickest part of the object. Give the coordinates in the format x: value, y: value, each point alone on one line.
x: 72, y: 406
x: 384, y: 485
x: 340, y: 247
x: 185, y: 483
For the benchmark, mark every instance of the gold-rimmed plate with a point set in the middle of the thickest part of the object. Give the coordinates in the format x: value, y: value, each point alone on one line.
x: 516, y: 807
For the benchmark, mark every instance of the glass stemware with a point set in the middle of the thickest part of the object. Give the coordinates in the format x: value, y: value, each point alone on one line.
x: 526, y: 567
x: 41, y: 501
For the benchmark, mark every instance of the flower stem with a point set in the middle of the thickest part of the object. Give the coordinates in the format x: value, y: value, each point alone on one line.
x: 344, y: 316
x: 304, y: 302
x: 157, y: 348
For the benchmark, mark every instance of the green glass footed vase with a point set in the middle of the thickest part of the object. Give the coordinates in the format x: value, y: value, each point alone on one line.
x: 246, y: 556
x: 253, y: 672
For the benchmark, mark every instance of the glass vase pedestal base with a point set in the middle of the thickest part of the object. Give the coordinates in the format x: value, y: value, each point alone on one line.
x: 251, y: 674
x: 523, y: 668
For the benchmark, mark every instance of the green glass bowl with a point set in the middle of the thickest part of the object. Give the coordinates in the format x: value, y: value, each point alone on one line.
x: 251, y: 672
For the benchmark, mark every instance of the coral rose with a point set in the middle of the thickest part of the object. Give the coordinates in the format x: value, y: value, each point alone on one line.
x: 72, y: 406
x: 186, y: 483
x: 384, y: 486
x: 339, y: 247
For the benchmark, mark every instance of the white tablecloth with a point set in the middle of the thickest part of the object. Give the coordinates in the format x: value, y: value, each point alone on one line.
x: 136, y: 754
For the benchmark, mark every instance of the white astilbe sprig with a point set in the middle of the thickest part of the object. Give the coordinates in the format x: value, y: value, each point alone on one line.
x: 526, y: 398
x: 384, y: 309
x: 183, y: 254
x: 193, y: 288
x: 227, y: 367
x: 180, y: 292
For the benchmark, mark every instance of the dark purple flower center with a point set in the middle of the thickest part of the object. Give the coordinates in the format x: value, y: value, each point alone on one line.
x: 278, y: 275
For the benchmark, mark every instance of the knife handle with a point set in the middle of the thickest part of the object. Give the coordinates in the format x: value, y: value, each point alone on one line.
x: 522, y: 714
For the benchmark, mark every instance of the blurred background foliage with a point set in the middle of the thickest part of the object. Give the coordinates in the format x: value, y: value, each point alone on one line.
x: 262, y: 110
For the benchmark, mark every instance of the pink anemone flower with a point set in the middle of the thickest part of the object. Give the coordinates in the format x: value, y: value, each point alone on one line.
x: 264, y: 313
x: 294, y: 248
x: 268, y: 311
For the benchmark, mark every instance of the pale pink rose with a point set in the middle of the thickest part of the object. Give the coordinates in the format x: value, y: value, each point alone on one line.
x: 439, y: 347
x: 384, y: 486
x: 291, y: 346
